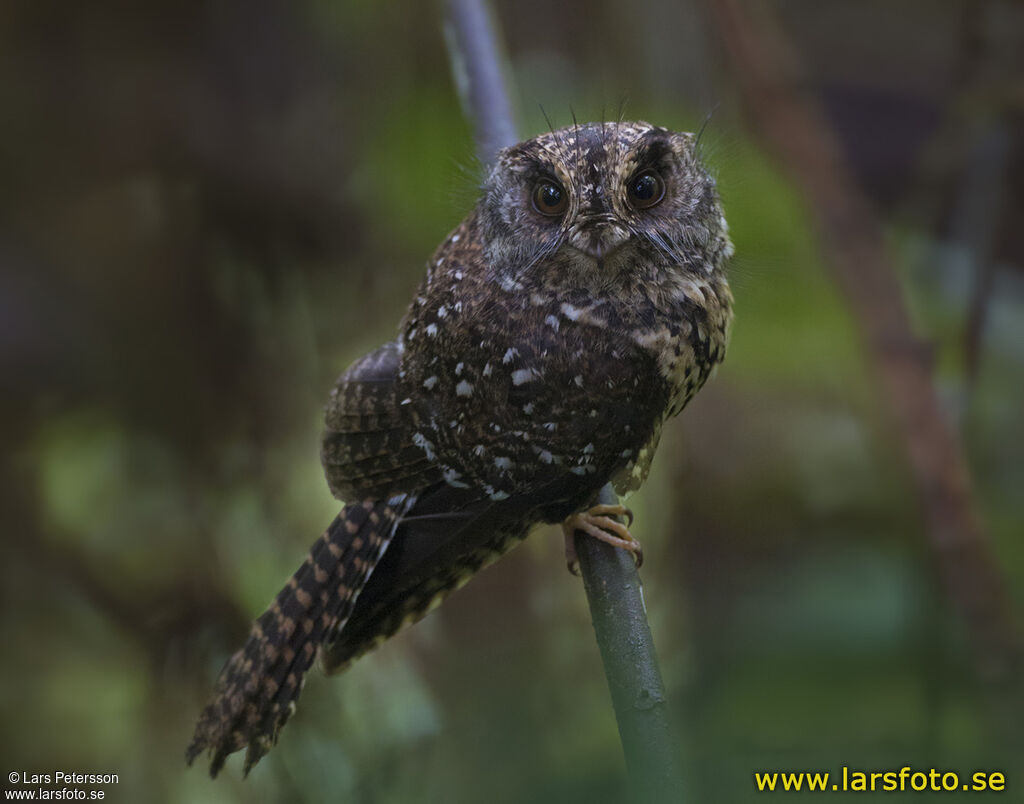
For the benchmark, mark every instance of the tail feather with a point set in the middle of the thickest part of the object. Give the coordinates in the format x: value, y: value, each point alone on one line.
x: 257, y: 689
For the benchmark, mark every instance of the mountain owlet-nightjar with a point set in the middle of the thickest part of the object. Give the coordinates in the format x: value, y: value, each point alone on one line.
x: 581, y: 304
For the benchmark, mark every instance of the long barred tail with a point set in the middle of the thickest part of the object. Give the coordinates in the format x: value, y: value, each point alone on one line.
x: 257, y: 689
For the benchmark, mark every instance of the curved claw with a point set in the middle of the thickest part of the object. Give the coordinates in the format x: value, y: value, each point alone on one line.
x: 638, y: 555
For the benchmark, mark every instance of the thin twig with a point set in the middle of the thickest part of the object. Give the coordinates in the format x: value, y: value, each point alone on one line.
x: 609, y: 575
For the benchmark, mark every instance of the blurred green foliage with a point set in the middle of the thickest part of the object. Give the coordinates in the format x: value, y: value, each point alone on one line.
x: 212, y: 208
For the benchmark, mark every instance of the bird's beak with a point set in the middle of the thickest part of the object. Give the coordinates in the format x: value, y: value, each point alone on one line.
x: 598, y: 236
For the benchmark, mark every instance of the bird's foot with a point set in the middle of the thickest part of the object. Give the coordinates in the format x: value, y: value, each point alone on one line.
x: 598, y: 522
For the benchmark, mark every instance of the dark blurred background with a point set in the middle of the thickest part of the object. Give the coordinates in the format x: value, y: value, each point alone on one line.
x: 209, y: 208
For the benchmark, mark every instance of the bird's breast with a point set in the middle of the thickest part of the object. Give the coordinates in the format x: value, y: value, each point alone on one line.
x: 517, y: 392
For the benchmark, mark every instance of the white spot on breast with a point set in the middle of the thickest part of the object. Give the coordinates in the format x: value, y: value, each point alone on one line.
x: 406, y: 401
x: 424, y: 444
x: 432, y: 330
x: 578, y: 379
x: 528, y: 408
x: 479, y: 450
x: 442, y: 311
x: 503, y: 462
x: 464, y: 388
x: 459, y: 367
x: 430, y: 382
x: 510, y: 355
x: 570, y: 312
x: 496, y: 494
x: 487, y: 370
x: 545, y: 456
x: 551, y: 426
x: 456, y: 238
x: 552, y: 322
x: 458, y: 276
x: 520, y: 376
x: 587, y: 450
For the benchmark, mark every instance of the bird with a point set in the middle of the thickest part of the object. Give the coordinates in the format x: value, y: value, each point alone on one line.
x: 579, y: 306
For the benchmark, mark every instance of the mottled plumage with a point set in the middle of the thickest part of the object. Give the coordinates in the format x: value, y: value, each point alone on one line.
x: 581, y: 304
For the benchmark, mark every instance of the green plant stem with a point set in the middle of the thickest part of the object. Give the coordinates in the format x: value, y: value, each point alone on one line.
x: 619, y: 615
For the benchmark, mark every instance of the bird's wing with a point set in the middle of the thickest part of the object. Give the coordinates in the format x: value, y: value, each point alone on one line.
x: 446, y: 536
x: 368, y: 449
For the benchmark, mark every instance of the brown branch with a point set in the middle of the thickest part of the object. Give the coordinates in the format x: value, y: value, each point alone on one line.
x: 767, y: 76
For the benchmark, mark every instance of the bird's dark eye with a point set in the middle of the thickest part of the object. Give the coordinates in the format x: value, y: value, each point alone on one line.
x: 549, y: 198
x: 645, y: 190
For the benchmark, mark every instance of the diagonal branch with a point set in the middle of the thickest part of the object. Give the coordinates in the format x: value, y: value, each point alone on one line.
x: 851, y: 237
